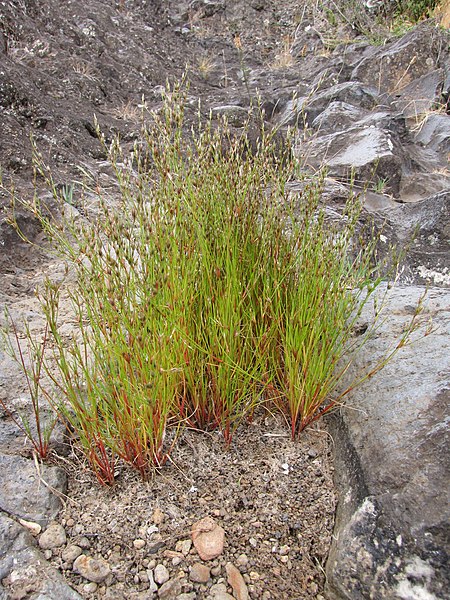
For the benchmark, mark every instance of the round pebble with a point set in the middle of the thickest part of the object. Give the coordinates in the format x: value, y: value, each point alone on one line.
x: 71, y: 552
x: 93, y: 569
x: 53, y: 537
x: 199, y: 573
x: 161, y: 574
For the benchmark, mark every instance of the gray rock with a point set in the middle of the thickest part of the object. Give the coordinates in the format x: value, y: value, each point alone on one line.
x: 338, y: 116
x: 435, y: 133
x: 199, y: 573
x: 23, y: 569
x: 71, y: 552
x: 421, y: 95
x: 207, y: 8
x: 395, y: 66
x: 161, y: 574
x: 392, y: 467
x: 421, y: 229
x: 236, y: 115
x: 366, y: 149
x: 23, y: 494
x: 310, y: 106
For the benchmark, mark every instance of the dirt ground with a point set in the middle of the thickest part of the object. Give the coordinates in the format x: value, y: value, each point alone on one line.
x: 61, y: 64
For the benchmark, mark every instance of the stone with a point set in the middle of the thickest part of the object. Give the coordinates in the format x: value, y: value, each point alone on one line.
x: 161, y: 574
x: 93, y: 569
x: 218, y: 591
x: 71, y: 552
x: 235, y: 115
x: 309, y: 106
x: 158, y: 516
x: 421, y: 95
x: 392, y: 470
x: 337, y: 116
x: 53, y: 537
x: 153, y: 586
x: 365, y: 149
x: 394, y: 67
x: 184, y: 546
x: 22, y: 493
x: 12, y: 439
x: 434, y: 133
x: 33, y: 528
x: 138, y: 543
x: 424, y: 226
x: 237, y: 582
x: 90, y: 588
x: 208, y: 538
x: 242, y: 562
x: 199, y: 573
x: 170, y: 589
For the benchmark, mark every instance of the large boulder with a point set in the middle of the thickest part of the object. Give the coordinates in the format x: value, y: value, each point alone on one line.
x: 419, y: 230
x: 370, y: 148
x: 395, y: 66
x: 392, y: 463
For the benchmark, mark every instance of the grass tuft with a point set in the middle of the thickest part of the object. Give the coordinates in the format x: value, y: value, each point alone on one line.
x: 203, y: 290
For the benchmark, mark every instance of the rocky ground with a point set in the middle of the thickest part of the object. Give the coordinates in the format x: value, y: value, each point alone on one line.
x: 377, y: 113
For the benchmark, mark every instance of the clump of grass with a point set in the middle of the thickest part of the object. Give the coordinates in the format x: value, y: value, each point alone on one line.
x: 202, y: 291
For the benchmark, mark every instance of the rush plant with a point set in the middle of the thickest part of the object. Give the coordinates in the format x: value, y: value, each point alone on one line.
x: 202, y: 289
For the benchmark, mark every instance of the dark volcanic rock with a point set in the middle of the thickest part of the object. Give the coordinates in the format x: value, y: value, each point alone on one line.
x: 392, y: 465
x: 23, y: 494
x: 394, y: 67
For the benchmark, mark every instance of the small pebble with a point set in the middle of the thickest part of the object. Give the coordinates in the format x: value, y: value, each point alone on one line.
x: 158, y: 516
x: 170, y: 589
x: 71, y: 552
x: 153, y: 587
x: 96, y: 570
x: 242, y: 562
x: 199, y: 573
x: 215, y: 571
x: 183, y: 546
x: 53, y: 537
x: 34, y: 528
x: 161, y: 574
x: 138, y: 544
x: 90, y: 588
x: 143, y: 577
x: 84, y: 543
